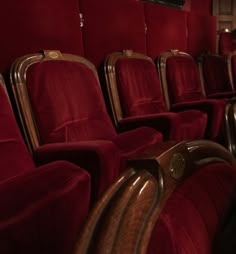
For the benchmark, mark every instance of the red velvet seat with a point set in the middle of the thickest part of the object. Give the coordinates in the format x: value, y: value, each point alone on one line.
x: 183, y: 90
x: 136, y: 99
x: 215, y: 76
x: 61, y: 105
x: 191, y: 218
x: 226, y: 42
x: 42, y: 209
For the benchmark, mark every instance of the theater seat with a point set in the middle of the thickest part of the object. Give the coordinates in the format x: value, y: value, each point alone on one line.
x: 215, y: 76
x: 226, y: 42
x: 183, y: 90
x: 61, y: 104
x: 44, y: 208
x: 172, y: 200
x: 136, y: 99
x: 192, y: 216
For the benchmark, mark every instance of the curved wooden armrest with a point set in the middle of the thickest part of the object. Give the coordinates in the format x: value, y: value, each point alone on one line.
x: 123, y: 220
x: 230, y: 126
x: 118, y: 223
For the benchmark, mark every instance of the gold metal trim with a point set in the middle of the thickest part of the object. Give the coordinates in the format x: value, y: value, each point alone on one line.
x: 177, y: 166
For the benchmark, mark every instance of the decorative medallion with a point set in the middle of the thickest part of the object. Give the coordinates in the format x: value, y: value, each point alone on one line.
x: 177, y: 166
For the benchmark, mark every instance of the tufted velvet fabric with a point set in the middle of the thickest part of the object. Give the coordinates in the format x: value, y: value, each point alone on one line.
x: 44, y: 208
x: 70, y: 113
x: 141, y: 98
x: 192, y: 216
x: 216, y: 77
x: 185, y: 92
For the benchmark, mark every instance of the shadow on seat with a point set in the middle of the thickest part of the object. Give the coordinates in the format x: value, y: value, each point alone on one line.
x: 44, y: 208
x: 136, y: 99
x: 63, y: 114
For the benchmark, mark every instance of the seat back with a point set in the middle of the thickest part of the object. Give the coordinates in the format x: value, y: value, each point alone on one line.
x: 214, y: 72
x: 133, y: 85
x: 180, y: 77
x: 59, y: 99
x: 226, y: 44
x: 15, y: 157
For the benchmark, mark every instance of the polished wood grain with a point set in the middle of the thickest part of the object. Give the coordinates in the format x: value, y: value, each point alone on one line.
x: 118, y: 222
x: 122, y: 222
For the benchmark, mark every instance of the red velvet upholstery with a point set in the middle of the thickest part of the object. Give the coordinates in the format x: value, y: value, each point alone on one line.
x: 67, y: 102
x: 185, y: 92
x: 226, y: 44
x: 37, y: 24
x: 201, y: 7
x: 142, y: 101
x: 166, y: 29
x: 70, y: 113
x: 216, y: 77
x: 136, y: 79
x: 201, y: 33
x: 183, y: 80
x: 190, y: 220
x: 113, y: 25
x: 42, y: 210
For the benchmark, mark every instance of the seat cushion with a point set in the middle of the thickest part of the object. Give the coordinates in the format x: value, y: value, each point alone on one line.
x: 215, y: 111
x: 133, y: 142
x: 190, y: 220
x: 44, y: 210
x: 193, y: 124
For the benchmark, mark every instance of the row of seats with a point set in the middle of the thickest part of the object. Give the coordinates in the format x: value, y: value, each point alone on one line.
x: 136, y: 96
x: 63, y: 116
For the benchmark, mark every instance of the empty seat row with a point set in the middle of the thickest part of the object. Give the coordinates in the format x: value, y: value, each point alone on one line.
x: 137, y: 98
x: 63, y: 114
x: 54, y: 200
